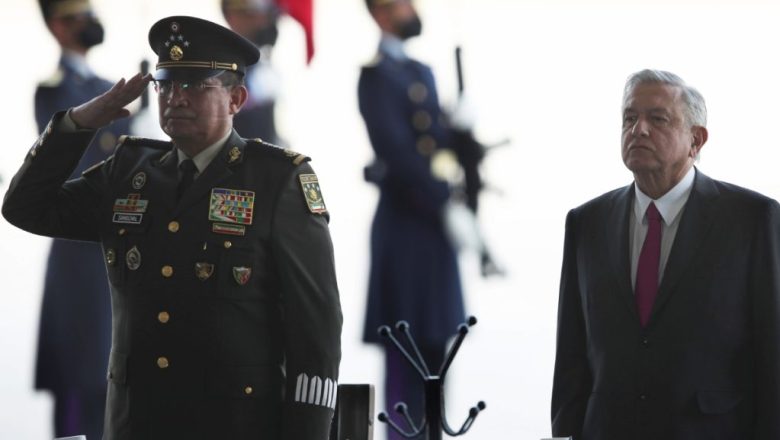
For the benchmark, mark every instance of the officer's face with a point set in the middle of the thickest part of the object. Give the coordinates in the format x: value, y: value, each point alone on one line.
x: 200, y: 113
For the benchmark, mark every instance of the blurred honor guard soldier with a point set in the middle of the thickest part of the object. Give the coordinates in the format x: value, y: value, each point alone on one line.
x: 226, y: 316
x: 669, y: 309
x: 75, y: 328
x: 256, y: 20
x: 414, y: 271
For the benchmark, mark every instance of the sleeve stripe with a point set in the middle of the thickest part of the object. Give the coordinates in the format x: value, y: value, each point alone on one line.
x: 316, y: 391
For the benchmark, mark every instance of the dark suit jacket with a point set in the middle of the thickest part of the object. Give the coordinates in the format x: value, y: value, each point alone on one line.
x: 225, y: 324
x: 707, y: 366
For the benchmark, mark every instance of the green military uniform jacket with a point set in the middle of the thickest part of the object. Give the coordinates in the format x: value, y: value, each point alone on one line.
x: 226, y: 316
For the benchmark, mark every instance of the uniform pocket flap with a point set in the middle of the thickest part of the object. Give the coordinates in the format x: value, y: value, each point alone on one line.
x: 718, y: 402
x: 247, y: 382
x: 117, y: 368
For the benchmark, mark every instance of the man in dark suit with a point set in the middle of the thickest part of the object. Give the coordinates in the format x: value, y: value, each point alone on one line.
x: 414, y: 271
x: 74, y: 338
x: 669, y: 309
x: 226, y: 316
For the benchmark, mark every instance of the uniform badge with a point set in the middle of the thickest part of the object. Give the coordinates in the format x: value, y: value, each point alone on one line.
x: 242, y: 274
x: 203, y: 271
x: 110, y: 257
x: 221, y: 228
x: 133, y: 203
x: 139, y: 180
x: 234, y: 154
x: 231, y: 206
x: 133, y: 258
x: 312, y: 193
x: 176, y: 53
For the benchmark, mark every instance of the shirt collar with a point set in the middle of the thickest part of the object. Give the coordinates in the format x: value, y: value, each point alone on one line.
x: 670, y: 204
x: 76, y: 62
x: 204, y: 158
x: 392, y: 46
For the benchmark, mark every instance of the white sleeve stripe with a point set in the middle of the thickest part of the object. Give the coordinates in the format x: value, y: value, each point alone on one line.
x: 315, y: 390
x: 304, y: 388
x: 335, y: 392
x: 298, y: 388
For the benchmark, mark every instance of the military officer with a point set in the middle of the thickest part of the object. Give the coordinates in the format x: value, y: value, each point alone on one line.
x: 414, y: 273
x: 226, y: 316
x: 256, y: 20
x: 74, y: 337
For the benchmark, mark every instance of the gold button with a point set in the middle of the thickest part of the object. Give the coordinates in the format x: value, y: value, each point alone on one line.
x: 163, y: 317
x: 167, y: 271
x: 173, y: 226
x: 110, y: 257
x: 417, y: 92
x: 162, y: 362
x: 422, y: 120
x: 122, y: 231
x: 228, y: 245
x: 426, y: 145
x: 248, y: 390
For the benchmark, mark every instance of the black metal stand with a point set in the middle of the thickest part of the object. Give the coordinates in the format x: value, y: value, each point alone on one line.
x: 435, y: 423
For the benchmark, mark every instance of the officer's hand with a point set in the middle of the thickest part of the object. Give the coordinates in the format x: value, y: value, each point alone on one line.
x: 104, y: 109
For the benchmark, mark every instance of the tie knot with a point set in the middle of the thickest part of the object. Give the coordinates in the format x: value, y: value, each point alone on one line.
x: 652, y: 213
x: 187, y: 166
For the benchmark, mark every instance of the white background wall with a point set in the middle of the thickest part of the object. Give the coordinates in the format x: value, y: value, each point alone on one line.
x: 547, y: 74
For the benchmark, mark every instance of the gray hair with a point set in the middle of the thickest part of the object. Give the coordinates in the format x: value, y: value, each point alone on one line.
x: 695, y: 108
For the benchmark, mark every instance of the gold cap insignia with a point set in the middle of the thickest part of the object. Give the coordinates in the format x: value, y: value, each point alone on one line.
x: 176, y: 53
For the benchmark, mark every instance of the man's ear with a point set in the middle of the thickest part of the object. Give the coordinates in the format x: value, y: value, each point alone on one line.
x: 238, y: 96
x: 700, y: 136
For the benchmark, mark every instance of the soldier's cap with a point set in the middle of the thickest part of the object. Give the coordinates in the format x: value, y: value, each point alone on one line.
x: 192, y: 48
x: 64, y: 8
x: 249, y: 5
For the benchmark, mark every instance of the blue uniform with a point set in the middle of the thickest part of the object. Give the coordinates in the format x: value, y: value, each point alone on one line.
x: 75, y: 328
x: 414, y: 272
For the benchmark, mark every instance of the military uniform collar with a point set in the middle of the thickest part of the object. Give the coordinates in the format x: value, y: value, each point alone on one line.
x: 204, y: 158
x: 393, y: 47
x: 76, y: 63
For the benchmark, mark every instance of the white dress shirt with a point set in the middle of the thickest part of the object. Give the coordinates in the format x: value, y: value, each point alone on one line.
x: 670, y: 206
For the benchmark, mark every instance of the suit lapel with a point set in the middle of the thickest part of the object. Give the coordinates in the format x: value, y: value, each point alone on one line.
x: 617, y: 231
x: 695, y: 224
x: 221, y: 168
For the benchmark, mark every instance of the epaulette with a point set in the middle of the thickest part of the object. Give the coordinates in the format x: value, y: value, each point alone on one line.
x: 54, y: 80
x: 97, y: 166
x: 374, y: 61
x: 135, y: 141
x: 297, y: 158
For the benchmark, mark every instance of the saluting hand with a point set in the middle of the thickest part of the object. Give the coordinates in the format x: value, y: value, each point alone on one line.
x: 104, y: 109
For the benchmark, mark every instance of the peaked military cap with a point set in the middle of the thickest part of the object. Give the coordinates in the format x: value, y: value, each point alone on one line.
x: 193, y: 48
x: 249, y: 5
x: 64, y: 8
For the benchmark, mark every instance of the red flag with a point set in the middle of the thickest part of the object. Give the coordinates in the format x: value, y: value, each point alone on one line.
x: 302, y: 12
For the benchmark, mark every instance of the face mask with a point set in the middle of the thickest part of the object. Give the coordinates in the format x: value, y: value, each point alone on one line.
x: 410, y: 28
x: 92, y: 34
x: 265, y: 36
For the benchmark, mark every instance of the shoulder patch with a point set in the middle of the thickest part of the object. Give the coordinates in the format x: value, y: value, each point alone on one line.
x: 135, y: 141
x: 312, y: 193
x: 54, y: 80
x: 294, y: 156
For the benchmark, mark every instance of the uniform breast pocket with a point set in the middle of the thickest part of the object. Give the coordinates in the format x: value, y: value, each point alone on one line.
x: 242, y: 274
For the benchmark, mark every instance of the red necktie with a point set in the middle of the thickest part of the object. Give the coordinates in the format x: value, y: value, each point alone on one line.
x: 647, y: 268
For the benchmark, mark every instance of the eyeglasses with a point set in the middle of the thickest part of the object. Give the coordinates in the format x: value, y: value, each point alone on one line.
x: 165, y: 86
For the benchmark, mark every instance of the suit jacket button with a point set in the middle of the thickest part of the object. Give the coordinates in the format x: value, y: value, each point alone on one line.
x: 162, y: 362
x: 163, y: 317
x: 643, y: 397
x: 248, y: 390
x: 167, y: 271
x: 645, y: 342
x: 228, y: 244
x: 173, y: 226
